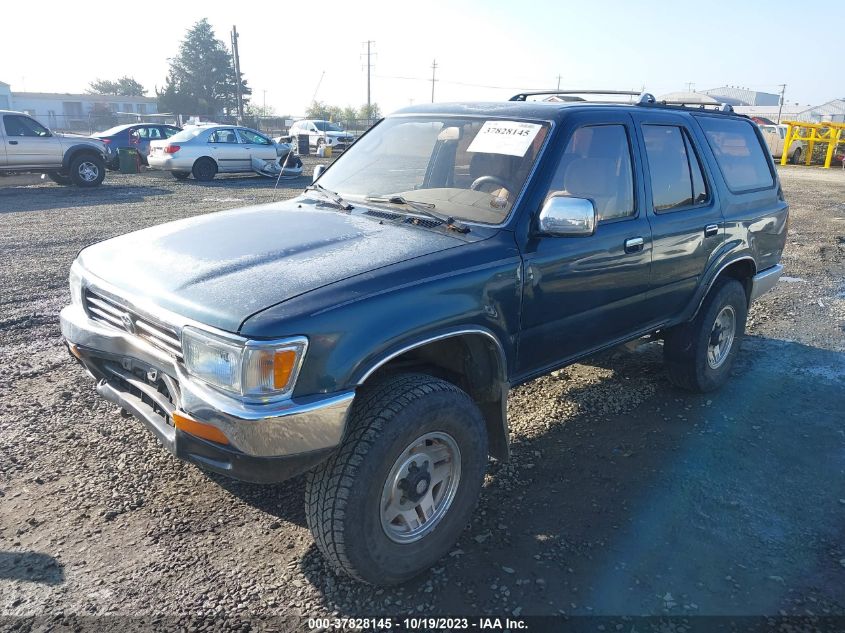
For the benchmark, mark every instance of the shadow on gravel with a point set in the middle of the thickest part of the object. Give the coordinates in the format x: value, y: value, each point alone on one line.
x: 31, y: 567
x: 285, y: 501
x: 683, y: 504
x: 42, y: 198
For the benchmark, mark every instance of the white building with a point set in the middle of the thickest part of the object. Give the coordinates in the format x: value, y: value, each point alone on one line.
x: 832, y: 111
x: 737, y: 96
x: 80, y: 112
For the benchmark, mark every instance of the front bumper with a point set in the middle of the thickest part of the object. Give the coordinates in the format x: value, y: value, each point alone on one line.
x: 266, y: 442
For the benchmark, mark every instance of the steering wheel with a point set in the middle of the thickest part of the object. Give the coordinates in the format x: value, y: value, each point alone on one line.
x: 488, y: 180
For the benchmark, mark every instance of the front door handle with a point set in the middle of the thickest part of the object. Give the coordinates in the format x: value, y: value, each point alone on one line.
x: 634, y: 244
x: 13, y: 142
x: 710, y: 230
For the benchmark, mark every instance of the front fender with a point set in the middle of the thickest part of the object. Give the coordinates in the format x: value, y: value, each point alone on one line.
x: 355, y: 325
x: 74, y: 150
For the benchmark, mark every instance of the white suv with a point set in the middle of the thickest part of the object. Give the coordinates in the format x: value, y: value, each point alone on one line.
x: 321, y: 133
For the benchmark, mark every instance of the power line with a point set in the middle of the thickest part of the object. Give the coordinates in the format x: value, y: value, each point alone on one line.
x: 237, y: 61
x: 369, y: 69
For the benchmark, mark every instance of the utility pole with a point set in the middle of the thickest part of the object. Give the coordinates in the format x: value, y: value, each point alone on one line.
x: 237, y: 60
x: 690, y: 84
x: 558, y: 82
x: 780, y: 107
x: 433, y: 74
x: 369, y: 43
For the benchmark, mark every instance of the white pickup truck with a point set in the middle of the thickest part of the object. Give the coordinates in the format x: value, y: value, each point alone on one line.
x: 775, y: 135
x: 28, y: 146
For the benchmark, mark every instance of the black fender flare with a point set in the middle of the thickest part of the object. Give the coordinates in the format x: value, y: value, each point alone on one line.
x: 79, y: 148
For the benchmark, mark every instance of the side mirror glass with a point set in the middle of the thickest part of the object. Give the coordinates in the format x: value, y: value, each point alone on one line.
x: 318, y: 171
x: 563, y: 215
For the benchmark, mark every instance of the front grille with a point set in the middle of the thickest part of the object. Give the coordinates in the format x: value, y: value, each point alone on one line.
x: 108, y: 312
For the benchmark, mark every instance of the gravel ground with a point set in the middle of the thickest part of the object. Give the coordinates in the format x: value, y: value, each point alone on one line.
x: 624, y: 497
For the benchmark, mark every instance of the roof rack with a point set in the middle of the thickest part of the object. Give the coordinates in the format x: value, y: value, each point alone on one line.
x: 647, y: 99
x: 523, y: 96
x: 643, y: 99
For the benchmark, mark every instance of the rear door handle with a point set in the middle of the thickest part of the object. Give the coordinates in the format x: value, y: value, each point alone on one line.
x: 13, y: 142
x: 710, y: 230
x: 634, y: 244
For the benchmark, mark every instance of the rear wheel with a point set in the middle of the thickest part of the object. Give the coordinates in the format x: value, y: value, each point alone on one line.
x: 87, y: 170
x: 180, y: 175
x: 398, y: 492
x: 204, y: 169
x: 796, y: 156
x: 59, y: 178
x: 699, y: 354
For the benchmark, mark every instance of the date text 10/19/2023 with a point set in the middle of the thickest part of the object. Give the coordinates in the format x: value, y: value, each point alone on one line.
x: 418, y: 624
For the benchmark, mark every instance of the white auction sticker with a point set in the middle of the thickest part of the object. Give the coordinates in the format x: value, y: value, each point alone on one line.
x: 504, y: 137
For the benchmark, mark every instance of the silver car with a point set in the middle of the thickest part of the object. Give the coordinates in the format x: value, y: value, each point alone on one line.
x: 205, y: 151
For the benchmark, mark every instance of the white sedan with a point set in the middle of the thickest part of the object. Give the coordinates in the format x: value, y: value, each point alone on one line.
x: 205, y: 151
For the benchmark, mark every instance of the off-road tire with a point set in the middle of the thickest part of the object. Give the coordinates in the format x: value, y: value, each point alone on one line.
x: 96, y: 165
x: 59, y: 178
x: 343, y: 494
x: 685, y: 346
x: 180, y: 175
x: 204, y: 169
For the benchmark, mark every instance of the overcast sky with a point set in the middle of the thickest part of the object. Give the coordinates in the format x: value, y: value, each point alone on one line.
x: 485, y: 49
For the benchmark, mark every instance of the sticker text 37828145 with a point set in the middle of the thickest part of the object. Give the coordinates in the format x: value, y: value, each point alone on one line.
x: 512, y: 138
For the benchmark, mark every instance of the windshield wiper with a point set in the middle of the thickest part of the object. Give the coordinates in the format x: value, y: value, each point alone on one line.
x: 331, y: 196
x: 425, y: 208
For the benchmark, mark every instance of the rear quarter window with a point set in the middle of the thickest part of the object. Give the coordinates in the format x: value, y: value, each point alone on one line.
x: 739, y: 154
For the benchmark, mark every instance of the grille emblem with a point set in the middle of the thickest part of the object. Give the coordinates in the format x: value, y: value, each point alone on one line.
x: 128, y: 323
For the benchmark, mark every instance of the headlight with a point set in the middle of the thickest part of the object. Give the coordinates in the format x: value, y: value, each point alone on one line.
x: 75, y: 281
x: 258, y: 371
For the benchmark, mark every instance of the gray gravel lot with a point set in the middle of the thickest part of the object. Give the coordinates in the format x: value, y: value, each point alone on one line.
x: 625, y: 496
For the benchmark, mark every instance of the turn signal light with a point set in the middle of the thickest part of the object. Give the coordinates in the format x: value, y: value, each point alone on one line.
x: 206, y: 431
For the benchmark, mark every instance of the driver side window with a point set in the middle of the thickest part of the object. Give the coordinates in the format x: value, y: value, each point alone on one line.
x: 17, y: 125
x: 596, y: 165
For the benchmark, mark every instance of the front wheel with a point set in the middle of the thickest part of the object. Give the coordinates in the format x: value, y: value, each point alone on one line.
x: 398, y: 492
x: 87, y: 170
x: 699, y: 354
x: 204, y: 169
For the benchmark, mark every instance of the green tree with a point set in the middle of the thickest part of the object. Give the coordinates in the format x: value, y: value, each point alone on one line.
x: 201, y: 79
x: 123, y: 86
x: 373, y: 114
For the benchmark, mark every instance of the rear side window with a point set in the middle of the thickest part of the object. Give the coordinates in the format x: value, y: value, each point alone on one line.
x: 677, y: 181
x: 739, y: 153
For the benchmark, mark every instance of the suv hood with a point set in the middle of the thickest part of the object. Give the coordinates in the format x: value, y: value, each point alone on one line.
x: 221, y: 268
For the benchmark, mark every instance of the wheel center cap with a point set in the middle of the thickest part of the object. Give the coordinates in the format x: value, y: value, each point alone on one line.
x: 422, y: 486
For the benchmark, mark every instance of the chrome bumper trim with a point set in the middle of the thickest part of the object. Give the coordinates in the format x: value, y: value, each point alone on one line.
x: 298, y: 425
x: 764, y: 281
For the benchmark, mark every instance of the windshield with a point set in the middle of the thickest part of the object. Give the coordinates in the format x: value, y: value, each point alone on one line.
x: 326, y: 126
x: 468, y: 168
x: 187, y: 134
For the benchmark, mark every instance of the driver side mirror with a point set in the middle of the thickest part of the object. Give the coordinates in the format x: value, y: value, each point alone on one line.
x: 564, y: 215
x: 318, y: 171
